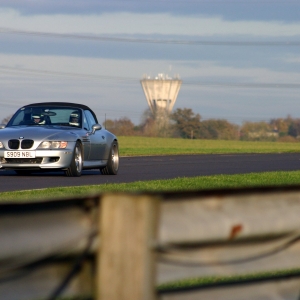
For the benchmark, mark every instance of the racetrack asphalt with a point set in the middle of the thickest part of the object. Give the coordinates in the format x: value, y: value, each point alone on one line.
x: 157, y: 167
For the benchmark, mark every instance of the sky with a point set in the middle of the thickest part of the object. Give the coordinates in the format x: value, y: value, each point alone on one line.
x: 238, y: 59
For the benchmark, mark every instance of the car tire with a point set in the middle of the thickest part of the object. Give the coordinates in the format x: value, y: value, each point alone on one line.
x: 112, y: 166
x: 75, y: 167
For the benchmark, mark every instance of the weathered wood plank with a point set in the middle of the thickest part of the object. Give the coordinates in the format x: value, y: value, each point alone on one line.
x: 38, y: 234
x: 229, y: 217
x: 41, y: 282
x: 31, y: 233
x: 233, y: 234
x: 216, y: 261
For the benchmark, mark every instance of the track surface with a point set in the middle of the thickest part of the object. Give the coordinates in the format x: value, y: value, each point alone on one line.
x: 157, y: 167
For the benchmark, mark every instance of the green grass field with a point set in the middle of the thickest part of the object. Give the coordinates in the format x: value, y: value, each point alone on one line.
x: 138, y: 146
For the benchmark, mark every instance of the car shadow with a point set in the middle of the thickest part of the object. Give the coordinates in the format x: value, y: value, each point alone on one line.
x: 46, y: 173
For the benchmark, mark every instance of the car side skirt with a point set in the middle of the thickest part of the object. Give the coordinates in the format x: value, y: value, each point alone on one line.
x: 94, y: 164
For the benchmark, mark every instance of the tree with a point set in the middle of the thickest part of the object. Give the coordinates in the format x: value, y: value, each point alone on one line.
x: 148, y: 128
x: 186, y: 123
x: 281, y: 125
x: 157, y: 124
x: 218, y: 129
x: 6, y: 119
x: 258, y: 131
x: 122, y: 126
x: 294, y: 128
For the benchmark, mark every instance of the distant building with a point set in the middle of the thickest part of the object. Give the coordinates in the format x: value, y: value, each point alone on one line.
x: 161, y: 92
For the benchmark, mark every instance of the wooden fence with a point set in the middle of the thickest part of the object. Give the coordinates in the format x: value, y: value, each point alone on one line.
x: 123, y: 246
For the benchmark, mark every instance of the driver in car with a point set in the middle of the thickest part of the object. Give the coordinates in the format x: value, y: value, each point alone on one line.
x: 37, y: 119
x: 74, y: 119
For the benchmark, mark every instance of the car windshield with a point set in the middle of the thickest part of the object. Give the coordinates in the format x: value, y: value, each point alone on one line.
x: 43, y: 116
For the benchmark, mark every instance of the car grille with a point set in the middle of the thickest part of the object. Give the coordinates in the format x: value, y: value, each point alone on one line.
x: 36, y: 160
x: 13, y: 144
x: 25, y: 144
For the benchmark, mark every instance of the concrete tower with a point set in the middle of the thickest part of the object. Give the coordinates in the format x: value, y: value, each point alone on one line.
x: 161, y: 93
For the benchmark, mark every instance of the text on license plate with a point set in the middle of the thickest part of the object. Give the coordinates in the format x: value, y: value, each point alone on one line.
x: 19, y: 154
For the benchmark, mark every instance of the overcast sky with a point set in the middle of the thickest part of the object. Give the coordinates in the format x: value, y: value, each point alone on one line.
x: 238, y: 60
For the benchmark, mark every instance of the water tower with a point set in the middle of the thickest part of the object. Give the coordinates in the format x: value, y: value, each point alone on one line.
x: 161, y: 93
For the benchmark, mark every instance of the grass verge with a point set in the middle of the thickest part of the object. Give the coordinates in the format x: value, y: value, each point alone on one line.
x: 212, y: 280
x: 179, y: 184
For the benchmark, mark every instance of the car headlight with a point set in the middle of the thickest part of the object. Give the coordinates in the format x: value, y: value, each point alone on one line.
x: 53, y: 145
x: 1, y: 145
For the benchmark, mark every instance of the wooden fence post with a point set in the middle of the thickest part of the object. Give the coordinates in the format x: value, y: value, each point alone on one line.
x: 126, y: 256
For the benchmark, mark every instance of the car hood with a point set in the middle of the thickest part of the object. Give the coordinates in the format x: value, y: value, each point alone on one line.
x: 39, y: 133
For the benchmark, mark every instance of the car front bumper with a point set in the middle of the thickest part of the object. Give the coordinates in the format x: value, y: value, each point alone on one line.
x: 44, y: 159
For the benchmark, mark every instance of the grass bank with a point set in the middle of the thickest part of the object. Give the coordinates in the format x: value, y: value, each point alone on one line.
x: 178, y: 184
x: 138, y: 146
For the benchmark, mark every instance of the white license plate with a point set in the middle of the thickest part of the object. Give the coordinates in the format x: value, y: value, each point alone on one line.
x: 19, y: 154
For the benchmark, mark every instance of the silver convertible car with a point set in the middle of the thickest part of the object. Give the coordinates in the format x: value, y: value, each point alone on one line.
x: 57, y: 136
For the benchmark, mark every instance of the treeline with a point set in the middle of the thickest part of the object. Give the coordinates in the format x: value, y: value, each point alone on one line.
x: 184, y: 123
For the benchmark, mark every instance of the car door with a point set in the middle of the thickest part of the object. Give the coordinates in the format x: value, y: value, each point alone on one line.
x: 86, y: 138
x: 98, y: 139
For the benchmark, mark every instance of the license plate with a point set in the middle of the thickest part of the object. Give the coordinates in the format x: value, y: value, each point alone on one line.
x: 19, y: 154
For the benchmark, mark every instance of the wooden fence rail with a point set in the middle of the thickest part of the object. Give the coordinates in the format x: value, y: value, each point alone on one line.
x: 122, y: 246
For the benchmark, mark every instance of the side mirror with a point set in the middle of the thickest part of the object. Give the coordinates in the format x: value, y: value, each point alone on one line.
x: 96, y: 127
x: 2, y: 126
